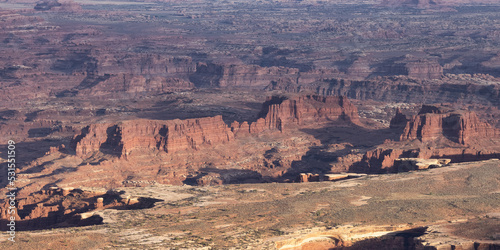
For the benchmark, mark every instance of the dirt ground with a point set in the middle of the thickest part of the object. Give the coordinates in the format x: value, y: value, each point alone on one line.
x: 256, y: 216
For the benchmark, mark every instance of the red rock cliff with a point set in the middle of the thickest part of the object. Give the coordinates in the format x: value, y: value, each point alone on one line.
x: 138, y: 135
x: 432, y: 123
x: 279, y: 111
x: 227, y: 75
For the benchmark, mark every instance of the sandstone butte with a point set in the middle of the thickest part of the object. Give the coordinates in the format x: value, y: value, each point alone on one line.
x: 433, y: 132
x: 139, y: 135
x: 124, y: 138
x: 462, y: 127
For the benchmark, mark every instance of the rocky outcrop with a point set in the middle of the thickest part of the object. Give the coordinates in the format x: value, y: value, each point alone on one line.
x: 400, y: 89
x: 380, y: 160
x: 68, y: 207
x: 255, y: 76
x: 349, y: 237
x: 435, y: 132
x: 47, y: 5
x: 152, y: 136
x: 360, y: 68
x: 138, y: 135
x: 128, y: 83
x: 385, y: 160
x: 148, y: 65
x: 399, y: 120
x: 408, y: 164
x: 424, y: 69
x: 235, y: 75
x: 125, y: 73
x: 278, y: 112
x: 309, y: 177
x: 462, y: 127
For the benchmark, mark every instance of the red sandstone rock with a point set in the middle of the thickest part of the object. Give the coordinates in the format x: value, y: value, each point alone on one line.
x: 303, y: 177
x: 279, y: 111
x: 419, y: 69
x: 138, y: 135
x: 309, y: 177
x: 177, y: 135
x: 381, y: 159
x: 360, y: 68
x: 461, y: 127
x: 224, y: 75
x: 50, y: 208
x: 428, y: 135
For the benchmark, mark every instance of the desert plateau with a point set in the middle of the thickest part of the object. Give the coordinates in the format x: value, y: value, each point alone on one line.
x: 238, y: 124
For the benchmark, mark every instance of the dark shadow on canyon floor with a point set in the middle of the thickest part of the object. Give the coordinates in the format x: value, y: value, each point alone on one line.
x: 318, y: 159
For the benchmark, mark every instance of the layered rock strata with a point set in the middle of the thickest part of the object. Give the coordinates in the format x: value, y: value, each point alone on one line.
x: 435, y: 132
x: 278, y: 112
x: 382, y: 160
x: 400, y: 89
x: 67, y: 207
x: 418, y: 69
x: 170, y: 136
x: 138, y: 135
x: 233, y: 75
x: 462, y: 127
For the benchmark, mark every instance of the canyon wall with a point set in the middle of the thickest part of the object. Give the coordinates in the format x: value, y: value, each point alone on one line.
x: 435, y: 132
x: 462, y: 127
x: 232, y: 75
x: 145, y: 64
x: 381, y: 160
x: 124, y: 138
x: 399, y: 89
x: 423, y: 69
x: 311, y: 108
x: 278, y: 112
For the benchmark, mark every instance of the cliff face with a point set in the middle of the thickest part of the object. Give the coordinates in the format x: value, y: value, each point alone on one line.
x: 424, y: 70
x: 461, y: 127
x: 129, y: 83
x: 277, y: 112
x: 63, y: 207
x: 416, y: 68
x: 382, y: 160
x: 138, y: 135
x: 428, y: 135
x: 379, y: 160
x: 400, y: 89
x: 124, y: 73
x: 144, y: 64
x: 231, y: 75
x: 280, y: 111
